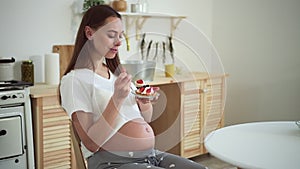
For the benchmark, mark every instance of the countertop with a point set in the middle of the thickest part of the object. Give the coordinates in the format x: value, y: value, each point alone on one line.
x: 42, y: 89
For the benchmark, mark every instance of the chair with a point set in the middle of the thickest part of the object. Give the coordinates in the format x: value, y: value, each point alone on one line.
x: 65, y: 54
x: 79, y: 158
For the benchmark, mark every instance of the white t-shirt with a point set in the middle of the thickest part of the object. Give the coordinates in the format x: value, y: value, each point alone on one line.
x: 84, y: 90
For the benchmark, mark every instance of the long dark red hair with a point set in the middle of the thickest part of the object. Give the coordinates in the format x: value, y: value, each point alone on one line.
x: 95, y: 17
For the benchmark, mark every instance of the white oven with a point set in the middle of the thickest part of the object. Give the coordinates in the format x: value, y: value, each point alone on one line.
x: 16, y: 139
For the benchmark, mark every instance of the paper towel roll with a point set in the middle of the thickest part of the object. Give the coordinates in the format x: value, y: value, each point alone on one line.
x: 39, y: 68
x: 52, y: 68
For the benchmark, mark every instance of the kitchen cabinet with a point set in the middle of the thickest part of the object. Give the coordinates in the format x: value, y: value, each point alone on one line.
x: 190, y: 107
x: 51, y: 129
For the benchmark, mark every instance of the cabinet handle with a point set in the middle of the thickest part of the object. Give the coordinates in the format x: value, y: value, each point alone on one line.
x: 204, y: 90
x: 3, y: 132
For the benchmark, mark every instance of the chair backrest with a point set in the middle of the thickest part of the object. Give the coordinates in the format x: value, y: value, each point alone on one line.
x: 80, y: 160
x: 65, y: 54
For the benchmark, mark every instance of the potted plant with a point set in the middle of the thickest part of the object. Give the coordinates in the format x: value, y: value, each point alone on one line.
x: 89, y: 3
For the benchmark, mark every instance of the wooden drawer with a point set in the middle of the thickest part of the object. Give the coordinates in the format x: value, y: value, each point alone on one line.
x: 191, y: 85
x: 50, y: 102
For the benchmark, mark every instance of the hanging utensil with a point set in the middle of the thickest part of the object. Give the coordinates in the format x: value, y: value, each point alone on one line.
x: 171, y: 48
x: 164, y: 52
x: 127, y: 42
x: 148, y: 49
x: 142, y: 45
x: 156, y: 51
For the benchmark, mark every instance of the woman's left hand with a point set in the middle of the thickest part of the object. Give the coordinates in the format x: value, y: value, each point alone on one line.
x: 143, y: 100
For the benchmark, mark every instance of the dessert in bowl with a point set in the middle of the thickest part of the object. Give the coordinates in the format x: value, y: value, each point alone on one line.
x: 144, y: 90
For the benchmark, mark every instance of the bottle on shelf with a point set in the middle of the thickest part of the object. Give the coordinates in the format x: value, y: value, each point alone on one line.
x: 140, y: 6
x: 144, y: 6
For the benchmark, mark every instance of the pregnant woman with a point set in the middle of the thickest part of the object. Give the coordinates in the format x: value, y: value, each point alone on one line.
x: 111, y: 122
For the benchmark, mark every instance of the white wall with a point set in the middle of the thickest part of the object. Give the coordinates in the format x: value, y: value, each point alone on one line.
x: 32, y: 27
x: 258, y: 41
x: 199, y: 12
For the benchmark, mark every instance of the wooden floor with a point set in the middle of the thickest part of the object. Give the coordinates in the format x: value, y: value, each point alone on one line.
x: 212, y: 162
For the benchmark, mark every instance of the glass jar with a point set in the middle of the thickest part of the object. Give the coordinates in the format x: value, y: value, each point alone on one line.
x: 27, y: 69
x: 144, y: 6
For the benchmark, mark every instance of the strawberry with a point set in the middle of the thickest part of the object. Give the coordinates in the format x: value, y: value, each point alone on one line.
x: 141, y: 89
x: 148, y: 91
x: 140, y: 81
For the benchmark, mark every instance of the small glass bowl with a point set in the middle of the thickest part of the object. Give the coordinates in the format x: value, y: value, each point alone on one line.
x: 298, y: 123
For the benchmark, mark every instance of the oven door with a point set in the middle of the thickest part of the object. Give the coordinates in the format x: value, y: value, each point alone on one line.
x: 11, y: 140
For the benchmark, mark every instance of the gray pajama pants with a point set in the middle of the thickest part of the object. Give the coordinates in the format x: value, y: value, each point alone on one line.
x: 150, y: 159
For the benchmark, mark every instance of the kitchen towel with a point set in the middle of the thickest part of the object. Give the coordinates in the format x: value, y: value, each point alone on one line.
x: 39, y: 68
x: 52, y: 68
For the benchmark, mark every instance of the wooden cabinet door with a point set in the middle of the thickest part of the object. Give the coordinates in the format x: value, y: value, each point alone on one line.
x: 214, y: 101
x: 192, y: 109
x: 51, y: 134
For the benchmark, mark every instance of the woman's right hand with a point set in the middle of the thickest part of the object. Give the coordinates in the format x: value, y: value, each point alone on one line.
x: 122, y: 86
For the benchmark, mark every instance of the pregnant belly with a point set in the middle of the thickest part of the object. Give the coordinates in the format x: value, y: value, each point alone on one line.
x: 133, y: 136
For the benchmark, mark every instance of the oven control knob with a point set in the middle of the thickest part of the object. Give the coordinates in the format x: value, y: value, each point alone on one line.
x: 2, y: 132
x: 5, y: 97
x: 14, y: 96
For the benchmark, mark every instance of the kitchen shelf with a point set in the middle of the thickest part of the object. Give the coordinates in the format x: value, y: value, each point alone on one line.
x: 138, y: 20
